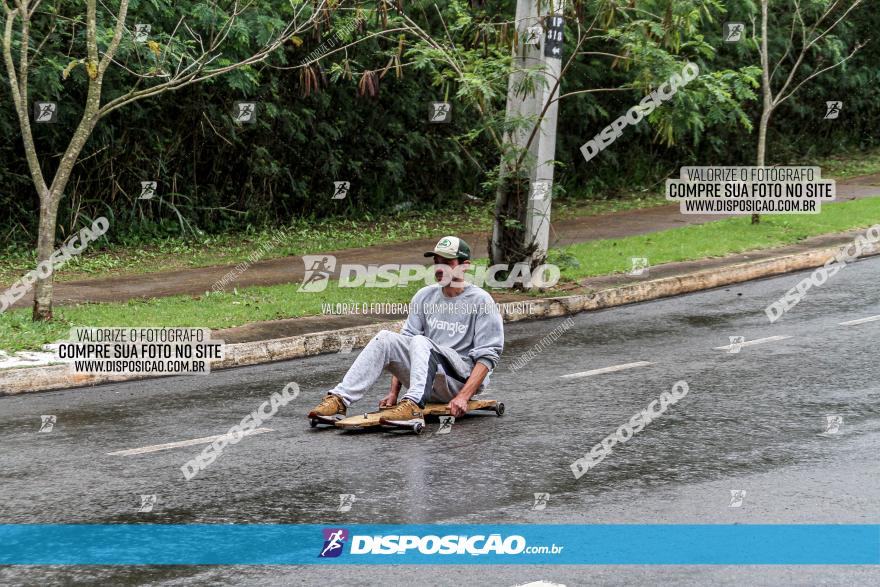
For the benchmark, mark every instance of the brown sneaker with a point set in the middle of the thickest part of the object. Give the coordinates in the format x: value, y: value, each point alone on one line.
x: 330, y: 409
x: 406, y: 413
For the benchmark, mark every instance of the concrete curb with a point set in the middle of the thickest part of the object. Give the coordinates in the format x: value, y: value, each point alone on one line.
x: 24, y: 380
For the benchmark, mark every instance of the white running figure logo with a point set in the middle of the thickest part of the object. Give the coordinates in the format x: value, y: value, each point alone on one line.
x: 334, y: 543
x: 346, y: 500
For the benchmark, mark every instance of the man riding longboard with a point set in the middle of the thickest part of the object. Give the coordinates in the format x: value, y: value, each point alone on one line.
x: 445, y: 352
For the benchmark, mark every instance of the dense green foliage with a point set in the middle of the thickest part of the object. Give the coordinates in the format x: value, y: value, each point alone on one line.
x: 336, y: 123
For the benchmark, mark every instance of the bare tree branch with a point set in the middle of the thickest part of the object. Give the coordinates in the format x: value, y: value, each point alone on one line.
x: 788, y: 47
x: 593, y: 91
x: 808, y: 44
x: 857, y: 47
x: 20, y: 101
x: 852, y: 7
x: 117, y: 37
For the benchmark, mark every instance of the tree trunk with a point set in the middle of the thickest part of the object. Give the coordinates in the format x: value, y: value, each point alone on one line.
x: 767, y: 96
x: 45, y: 246
x: 508, y: 234
x: 762, y: 147
x: 497, y: 234
x: 49, y: 204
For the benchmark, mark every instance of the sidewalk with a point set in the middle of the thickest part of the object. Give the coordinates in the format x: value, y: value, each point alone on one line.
x: 274, y: 329
x: 290, y: 269
x: 278, y: 340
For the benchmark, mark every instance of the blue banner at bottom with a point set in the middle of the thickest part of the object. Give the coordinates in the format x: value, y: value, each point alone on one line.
x: 278, y: 544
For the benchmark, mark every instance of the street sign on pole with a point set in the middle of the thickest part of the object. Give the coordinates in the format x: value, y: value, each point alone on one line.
x: 554, y: 26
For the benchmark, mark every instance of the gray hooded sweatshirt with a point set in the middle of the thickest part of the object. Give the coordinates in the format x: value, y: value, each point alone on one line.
x: 469, y: 323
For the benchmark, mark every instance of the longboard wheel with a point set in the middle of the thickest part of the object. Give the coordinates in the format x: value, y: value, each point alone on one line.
x: 417, y: 428
x: 313, y: 422
x: 499, y: 409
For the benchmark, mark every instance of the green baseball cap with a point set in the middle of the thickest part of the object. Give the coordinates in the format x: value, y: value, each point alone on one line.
x: 451, y: 247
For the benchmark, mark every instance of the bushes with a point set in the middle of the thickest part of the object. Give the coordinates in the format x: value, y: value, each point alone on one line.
x: 215, y: 175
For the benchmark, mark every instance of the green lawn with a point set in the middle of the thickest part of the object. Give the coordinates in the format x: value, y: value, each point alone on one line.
x: 849, y: 164
x: 215, y: 311
x: 303, y: 237
x: 254, y: 304
x: 733, y: 235
x: 309, y: 236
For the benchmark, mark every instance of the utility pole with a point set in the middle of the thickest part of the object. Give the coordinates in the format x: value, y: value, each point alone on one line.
x: 539, y: 24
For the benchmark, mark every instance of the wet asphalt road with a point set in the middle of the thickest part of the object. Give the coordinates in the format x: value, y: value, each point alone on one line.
x: 752, y: 421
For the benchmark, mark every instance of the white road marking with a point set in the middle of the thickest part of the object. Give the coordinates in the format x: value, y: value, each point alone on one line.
x: 751, y: 342
x: 860, y: 320
x: 606, y: 370
x: 205, y: 440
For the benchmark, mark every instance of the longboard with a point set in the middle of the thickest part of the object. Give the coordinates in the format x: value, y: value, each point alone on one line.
x: 371, y: 419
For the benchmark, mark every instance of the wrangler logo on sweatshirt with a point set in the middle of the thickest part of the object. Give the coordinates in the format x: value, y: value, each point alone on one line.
x: 450, y: 327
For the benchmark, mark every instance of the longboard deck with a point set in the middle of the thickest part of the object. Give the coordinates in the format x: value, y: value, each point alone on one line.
x: 371, y: 419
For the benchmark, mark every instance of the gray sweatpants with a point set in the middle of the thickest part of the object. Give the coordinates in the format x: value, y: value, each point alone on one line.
x: 430, y: 372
